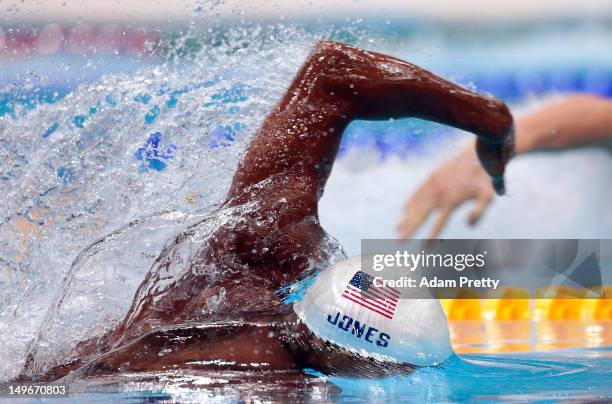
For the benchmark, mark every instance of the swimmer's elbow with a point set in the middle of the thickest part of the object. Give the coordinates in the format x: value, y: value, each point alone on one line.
x: 334, y: 57
x: 329, y: 46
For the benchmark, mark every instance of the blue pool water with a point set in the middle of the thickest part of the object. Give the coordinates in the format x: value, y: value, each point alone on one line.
x: 581, y: 374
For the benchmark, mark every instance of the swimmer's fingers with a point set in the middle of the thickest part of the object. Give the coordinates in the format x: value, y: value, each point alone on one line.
x: 482, y: 202
x: 441, y: 220
x: 494, y: 156
x: 416, y: 210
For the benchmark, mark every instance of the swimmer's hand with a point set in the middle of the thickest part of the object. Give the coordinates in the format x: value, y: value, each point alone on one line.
x: 471, y: 175
x: 494, y: 156
x: 458, y: 180
x: 576, y: 121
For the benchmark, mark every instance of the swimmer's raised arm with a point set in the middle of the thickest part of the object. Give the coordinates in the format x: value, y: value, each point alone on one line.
x: 576, y: 121
x: 226, y: 271
x: 339, y: 83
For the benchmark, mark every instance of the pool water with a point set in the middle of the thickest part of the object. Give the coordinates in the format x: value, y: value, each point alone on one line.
x: 580, y: 374
x: 565, y: 375
x: 127, y: 159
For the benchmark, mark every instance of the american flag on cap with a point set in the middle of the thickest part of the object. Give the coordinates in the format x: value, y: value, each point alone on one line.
x: 380, y: 300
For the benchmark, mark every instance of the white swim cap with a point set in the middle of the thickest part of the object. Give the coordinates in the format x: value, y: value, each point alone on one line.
x: 344, y: 307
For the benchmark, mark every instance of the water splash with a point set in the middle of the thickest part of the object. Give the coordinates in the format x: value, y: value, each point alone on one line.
x: 134, y: 157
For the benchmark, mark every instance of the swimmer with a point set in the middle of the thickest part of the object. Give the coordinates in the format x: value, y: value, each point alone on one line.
x: 578, y: 121
x: 267, y: 233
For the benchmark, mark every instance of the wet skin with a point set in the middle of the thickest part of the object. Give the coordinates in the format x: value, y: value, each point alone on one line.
x: 273, y: 231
